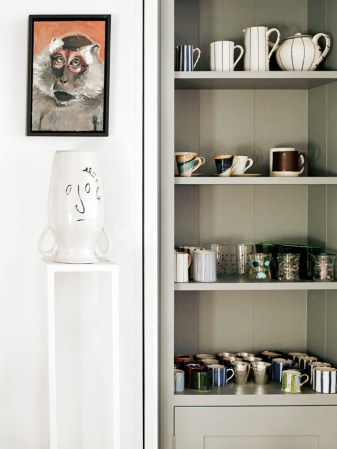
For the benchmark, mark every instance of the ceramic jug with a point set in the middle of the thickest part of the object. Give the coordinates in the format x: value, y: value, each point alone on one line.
x: 302, y: 52
x: 257, y: 53
x: 75, y: 209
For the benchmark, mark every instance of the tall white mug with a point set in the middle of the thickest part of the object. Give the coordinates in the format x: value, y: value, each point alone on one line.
x: 222, y: 55
x: 257, y: 52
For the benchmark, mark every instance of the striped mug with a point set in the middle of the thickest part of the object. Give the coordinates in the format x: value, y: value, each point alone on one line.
x: 184, y: 58
x: 324, y: 379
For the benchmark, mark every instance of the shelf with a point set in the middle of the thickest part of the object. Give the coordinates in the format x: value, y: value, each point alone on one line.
x: 251, y: 394
x: 242, y: 283
x: 255, y: 180
x: 253, y: 80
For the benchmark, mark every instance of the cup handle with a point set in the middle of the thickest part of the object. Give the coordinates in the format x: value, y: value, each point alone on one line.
x: 306, y: 380
x: 230, y: 377
x: 198, y: 57
x: 235, y: 164
x: 49, y: 254
x: 240, y: 55
x: 101, y: 255
x: 304, y: 158
x: 189, y: 260
x: 249, y: 164
x: 198, y: 161
x: 277, y: 40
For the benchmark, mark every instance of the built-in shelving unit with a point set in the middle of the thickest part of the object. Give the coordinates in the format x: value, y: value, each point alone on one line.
x: 246, y: 113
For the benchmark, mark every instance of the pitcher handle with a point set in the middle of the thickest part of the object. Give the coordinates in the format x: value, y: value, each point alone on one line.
x: 101, y: 255
x: 198, y: 57
x: 306, y: 380
x: 277, y: 40
x: 240, y: 55
x: 49, y: 254
x: 304, y: 162
x: 327, y: 46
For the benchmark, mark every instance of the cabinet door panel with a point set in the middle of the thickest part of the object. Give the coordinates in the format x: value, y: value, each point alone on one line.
x: 256, y: 427
x: 265, y: 442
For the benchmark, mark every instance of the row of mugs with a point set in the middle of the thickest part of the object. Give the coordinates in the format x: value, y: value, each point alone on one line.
x: 242, y: 366
x: 298, y: 52
x: 187, y: 163
x: 283, y: 162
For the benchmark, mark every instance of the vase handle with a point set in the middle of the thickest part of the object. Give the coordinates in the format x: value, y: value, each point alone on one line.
x: 101, y: 255
x: 49, y: 254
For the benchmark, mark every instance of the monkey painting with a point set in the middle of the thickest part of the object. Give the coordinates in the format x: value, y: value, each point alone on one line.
x: 68, y: 86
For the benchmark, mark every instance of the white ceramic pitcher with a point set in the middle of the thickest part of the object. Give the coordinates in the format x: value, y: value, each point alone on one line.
x: 257, y: 54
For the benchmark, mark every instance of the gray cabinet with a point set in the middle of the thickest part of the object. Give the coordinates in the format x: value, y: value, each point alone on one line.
x: 255, y: 428
x: 248, y: 113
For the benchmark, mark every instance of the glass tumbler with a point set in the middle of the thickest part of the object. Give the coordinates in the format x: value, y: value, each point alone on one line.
x: 259, y: 266
x: 323, y: 265
x: 288, y: 266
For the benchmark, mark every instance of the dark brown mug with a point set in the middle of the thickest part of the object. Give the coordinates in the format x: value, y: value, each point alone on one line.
x: 289, y: 161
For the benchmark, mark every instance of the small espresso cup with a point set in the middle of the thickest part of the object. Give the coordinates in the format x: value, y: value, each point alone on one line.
x: 222, y: 55
x: 185, y: 58
x: 225, y: 164
x: 324, y: 379
x: 291, y: 381
x: 288, y: 160
x: 187, y: 163
x: 220, y: 375
x: 245, y: 163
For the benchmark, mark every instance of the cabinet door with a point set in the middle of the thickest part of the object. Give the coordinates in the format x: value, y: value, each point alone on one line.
x: 256, y: 427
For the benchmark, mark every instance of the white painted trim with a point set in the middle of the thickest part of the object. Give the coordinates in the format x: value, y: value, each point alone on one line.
x: 151, y: 222
x: 113, y: 270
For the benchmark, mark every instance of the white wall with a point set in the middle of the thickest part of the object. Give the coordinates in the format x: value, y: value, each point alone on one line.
x: 25, y: 164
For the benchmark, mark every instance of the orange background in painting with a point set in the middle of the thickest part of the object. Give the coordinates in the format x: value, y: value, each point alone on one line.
x: 44, y: 31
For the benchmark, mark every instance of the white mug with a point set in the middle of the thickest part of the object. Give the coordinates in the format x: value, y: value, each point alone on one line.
x: 243, y: 165
x: 222, y: 56
x: 272, y: 151
x: 257, y: 54
x: 204, y: 266
x: 324, y: 379
x: 182, y: 261
x: 179, y: 380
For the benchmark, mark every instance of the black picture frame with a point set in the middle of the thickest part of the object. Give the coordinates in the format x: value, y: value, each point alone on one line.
x: 68, y: 75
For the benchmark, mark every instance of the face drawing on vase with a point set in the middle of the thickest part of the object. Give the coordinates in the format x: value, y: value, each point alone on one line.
x: 85, y: 194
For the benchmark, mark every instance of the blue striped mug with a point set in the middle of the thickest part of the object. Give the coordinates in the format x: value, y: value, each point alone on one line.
x: 184, y: 58
x: 220, y: 375
x: 324, y: 379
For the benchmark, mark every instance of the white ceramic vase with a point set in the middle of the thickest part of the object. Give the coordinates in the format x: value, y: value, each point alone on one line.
x: 76, y: 209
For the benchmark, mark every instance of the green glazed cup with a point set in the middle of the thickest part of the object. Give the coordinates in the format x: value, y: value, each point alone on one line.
x: 291, y: 381
x: 200, y: 380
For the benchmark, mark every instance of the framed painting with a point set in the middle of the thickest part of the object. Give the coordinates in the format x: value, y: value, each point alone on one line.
x: 68, y: 75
